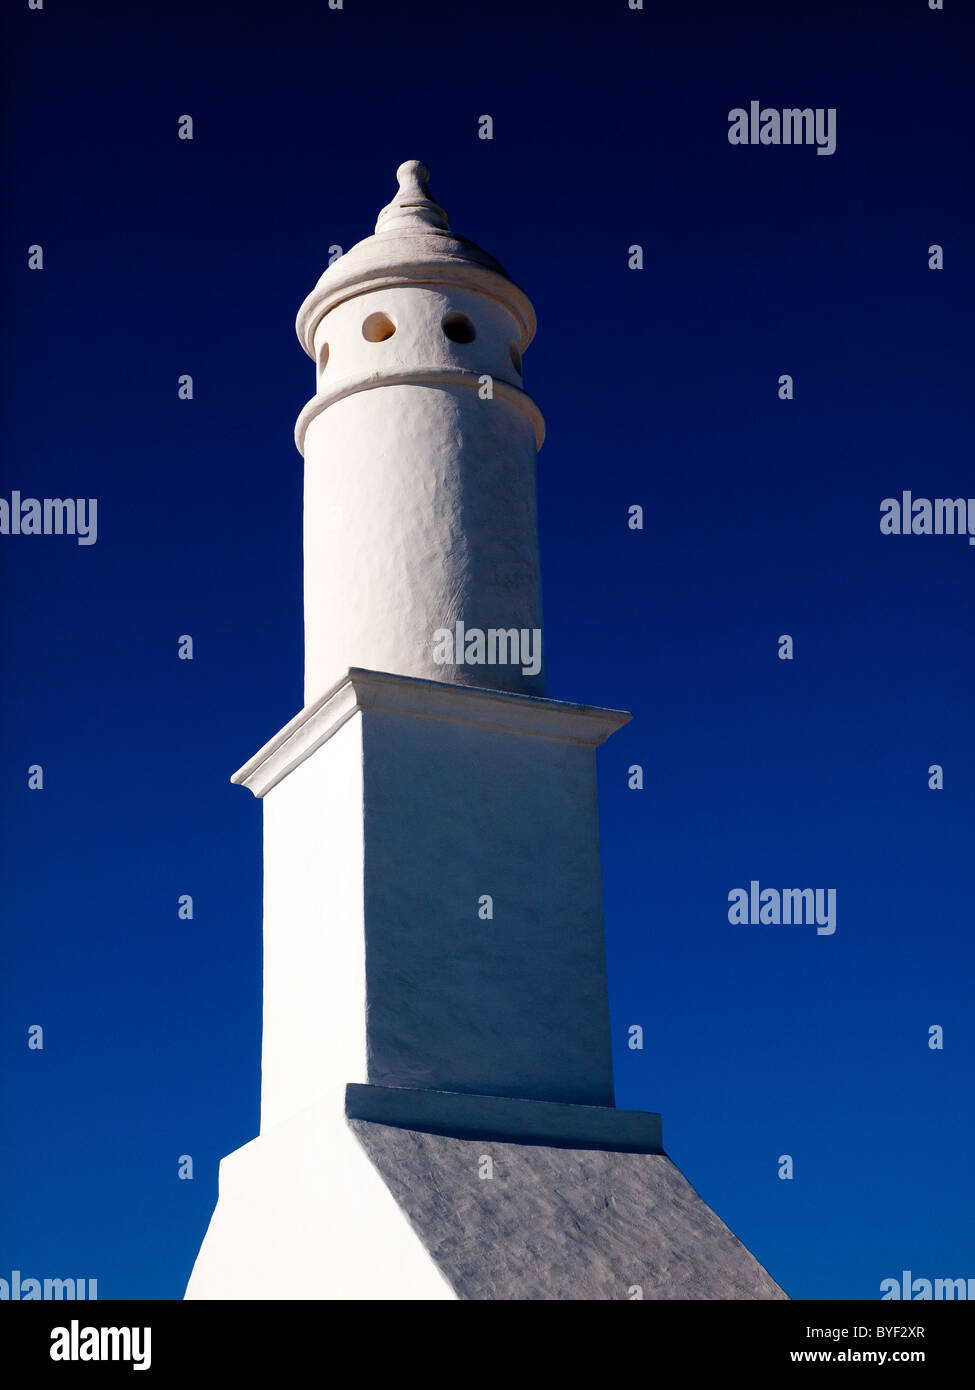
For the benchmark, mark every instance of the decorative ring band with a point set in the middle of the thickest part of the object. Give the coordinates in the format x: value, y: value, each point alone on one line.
x: 422, y: 376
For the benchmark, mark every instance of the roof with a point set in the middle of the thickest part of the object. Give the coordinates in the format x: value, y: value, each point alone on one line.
x: 560, y: 1223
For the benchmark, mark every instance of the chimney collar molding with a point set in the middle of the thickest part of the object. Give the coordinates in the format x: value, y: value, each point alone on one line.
x: 381, y: 692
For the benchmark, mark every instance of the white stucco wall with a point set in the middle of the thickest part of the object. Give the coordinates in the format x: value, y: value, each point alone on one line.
x: 394, y: 807
x: 314, y: 953
x: 303, y: 1214
x: 420, y: 497
x: 516, y: 1005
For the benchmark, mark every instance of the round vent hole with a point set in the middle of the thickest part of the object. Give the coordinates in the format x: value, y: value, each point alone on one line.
x: 377, y: 328
x: 458, y: 327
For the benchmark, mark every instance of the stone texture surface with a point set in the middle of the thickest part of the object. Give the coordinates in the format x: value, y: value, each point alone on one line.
x: 556, y: 1223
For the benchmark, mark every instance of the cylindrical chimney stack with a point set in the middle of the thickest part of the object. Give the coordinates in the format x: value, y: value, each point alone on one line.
x: 420, y: 529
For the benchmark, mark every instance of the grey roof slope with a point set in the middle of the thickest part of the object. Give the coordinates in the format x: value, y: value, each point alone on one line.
x: 560, y: 1223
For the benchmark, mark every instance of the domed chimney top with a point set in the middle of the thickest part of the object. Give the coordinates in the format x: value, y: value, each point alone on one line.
x: 412, y: 245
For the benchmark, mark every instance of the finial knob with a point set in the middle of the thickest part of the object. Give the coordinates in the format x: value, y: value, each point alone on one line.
x: 413, y: 206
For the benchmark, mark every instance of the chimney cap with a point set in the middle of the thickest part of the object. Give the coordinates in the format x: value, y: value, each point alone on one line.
x: 412, y: 245
x: 413, y: 206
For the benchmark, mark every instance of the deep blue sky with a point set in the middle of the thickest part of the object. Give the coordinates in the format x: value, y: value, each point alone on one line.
x: 658, y: 387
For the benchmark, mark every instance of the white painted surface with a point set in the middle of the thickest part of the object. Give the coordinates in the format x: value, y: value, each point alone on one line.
x: 386, y: 820
x: 380, y: 843
x: 515, y: 1005
x: 314, y: 938
x: 385, y: 828
x: 303, y: 1214
x: 379, y: 690
x: 420, y: 490
x: 413, y: 244
x: 437, y: 523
